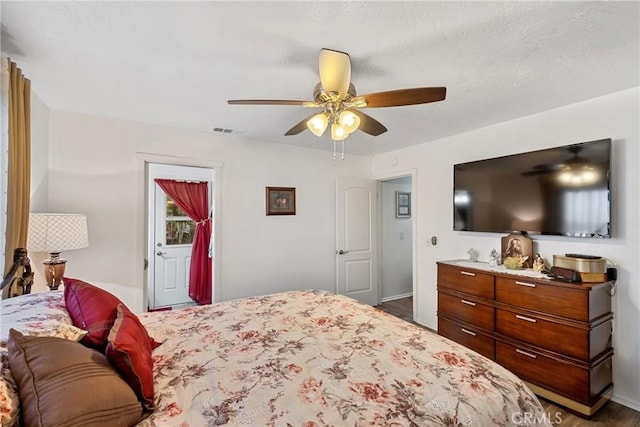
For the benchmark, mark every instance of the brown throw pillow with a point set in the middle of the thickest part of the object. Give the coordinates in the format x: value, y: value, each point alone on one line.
x: 62, y: 382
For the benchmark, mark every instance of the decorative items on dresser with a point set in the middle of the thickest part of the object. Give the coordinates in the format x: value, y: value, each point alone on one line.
x: 554, y: 335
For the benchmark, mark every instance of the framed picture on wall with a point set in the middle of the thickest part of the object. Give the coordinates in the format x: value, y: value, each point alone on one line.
x: 281, y: 201
x: 403, y: 204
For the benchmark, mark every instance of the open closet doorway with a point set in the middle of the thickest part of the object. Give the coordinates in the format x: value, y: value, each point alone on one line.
x: 396, y: 246
x: 170, y: 234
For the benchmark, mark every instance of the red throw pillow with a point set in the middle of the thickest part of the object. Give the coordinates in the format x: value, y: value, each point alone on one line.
x: 129, y: 351
x: 92, y: 309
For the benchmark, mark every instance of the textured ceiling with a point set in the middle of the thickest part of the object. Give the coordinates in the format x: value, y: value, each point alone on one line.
x: 176, y: 63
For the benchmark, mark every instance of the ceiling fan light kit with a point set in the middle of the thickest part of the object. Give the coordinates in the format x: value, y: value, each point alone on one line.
x: 336, y: 95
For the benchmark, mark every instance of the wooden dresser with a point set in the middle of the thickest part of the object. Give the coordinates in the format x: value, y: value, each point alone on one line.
x: 554, y: 335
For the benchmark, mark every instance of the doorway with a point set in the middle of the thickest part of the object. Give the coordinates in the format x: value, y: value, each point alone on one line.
x: 396, y: 242
x: 170, y: 235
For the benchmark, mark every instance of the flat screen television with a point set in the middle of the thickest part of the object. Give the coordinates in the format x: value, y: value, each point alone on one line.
x: 562, y: 191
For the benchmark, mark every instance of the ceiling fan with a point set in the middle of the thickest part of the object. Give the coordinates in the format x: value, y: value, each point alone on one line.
x: 336, y: 96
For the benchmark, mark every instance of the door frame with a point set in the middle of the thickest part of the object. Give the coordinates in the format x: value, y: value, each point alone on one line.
x: 413, y: 173
x: 142, y: 218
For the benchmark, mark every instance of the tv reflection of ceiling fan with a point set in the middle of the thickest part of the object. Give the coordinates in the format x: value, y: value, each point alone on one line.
x: 575, y: 171
x: 336, y: 96
x: 547, y: 168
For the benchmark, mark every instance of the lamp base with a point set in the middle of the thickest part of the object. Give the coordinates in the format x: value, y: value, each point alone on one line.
x: 54, y: 270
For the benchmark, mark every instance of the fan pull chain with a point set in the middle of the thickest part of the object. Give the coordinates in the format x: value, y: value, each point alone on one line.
x: 335, y: 151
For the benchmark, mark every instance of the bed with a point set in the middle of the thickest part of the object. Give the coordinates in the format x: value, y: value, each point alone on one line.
x: 299, y: 358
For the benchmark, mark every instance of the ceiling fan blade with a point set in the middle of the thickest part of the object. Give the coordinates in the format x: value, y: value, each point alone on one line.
x: 266, y: 102
x: 400, y: 97
x: 301, y: 126
x: 335, y: 71
x: 368, y: 124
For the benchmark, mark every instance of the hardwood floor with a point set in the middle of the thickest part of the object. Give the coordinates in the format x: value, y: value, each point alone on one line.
x: 611, y: 414
x: 402, y: 308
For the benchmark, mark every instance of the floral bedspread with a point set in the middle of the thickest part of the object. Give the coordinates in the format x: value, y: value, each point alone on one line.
x: 311, y: 358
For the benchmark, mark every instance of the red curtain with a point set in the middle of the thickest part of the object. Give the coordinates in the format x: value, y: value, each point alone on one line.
x: 193, y: 199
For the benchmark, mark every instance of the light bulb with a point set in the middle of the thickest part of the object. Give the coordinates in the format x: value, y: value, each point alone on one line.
x: 589, y: 176
x: 338, y: 133
x: 318, y: 124
x: 565, y: 177
x: 349, y: 121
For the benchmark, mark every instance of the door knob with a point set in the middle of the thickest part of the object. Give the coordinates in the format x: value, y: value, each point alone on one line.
x: 160, y: 253
x: 341, y: 252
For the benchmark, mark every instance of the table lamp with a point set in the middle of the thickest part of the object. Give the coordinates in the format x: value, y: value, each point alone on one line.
x: 54, y: 233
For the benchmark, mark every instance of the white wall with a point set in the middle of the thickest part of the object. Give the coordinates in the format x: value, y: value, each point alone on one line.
x: 396, y: 242
x: 39, y: 179
x: 93, y: 170
x: 614, y: 116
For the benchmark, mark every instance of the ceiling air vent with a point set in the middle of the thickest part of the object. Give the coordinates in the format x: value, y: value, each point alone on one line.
x: 227, y: 131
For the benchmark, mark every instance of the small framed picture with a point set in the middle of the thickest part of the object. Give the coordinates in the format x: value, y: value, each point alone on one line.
x: 281, y: 201
x: 403, y: 204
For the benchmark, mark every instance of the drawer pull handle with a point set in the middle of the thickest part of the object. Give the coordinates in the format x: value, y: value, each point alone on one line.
x: 526, y: 353
x: 531, y: 285
x: 528, y: 319
x: 464, y: 301
x: 466, y: 273
x: 466, y: 331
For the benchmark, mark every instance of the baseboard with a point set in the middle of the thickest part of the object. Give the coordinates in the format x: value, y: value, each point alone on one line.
x: 395, y: 297
x: 626, y: 402
x: 426, y: 325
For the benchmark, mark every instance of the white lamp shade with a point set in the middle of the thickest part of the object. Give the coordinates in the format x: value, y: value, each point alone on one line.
x: 338, y: 133
x: 54, y: 232
x: 349, y: 121
x: 318, y: 124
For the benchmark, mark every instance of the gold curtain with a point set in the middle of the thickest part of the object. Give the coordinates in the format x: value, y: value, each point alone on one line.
x: 19, y: 166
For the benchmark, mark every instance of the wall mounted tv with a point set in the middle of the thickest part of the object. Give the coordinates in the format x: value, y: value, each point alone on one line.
x: 562, y: 191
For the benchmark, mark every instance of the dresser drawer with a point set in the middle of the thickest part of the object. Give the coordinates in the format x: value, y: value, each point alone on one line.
x: 567, y: 379
x: 466, y: 309
x: 468, y: 337
x: 552, y: 336
x: 467, y: 281
x: 550, y: 299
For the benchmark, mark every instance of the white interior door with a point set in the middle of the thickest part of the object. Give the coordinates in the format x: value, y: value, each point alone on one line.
x: 173, y: 237
x: 356, y: 239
